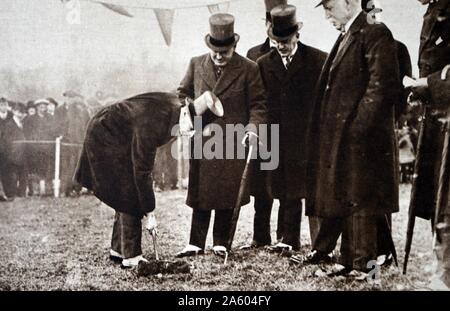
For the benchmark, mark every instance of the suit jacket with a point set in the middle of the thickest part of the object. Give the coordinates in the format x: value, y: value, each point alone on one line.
x: 214, y: 183
x: 119, y: 150
x: 434, y: 54
x: 353, y: 143
x: 440, y: 89
x: 257, y: 51
x: 290, y: 102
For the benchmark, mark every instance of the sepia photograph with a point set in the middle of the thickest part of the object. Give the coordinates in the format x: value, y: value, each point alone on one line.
x: 238, y: 146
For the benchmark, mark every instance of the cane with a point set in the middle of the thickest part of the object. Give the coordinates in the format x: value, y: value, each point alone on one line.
x: 155, y: 243
x: 237, y: 207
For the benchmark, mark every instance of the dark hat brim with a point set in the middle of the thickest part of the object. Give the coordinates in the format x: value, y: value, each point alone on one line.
x: 221, y: 48
x: 295, y: 29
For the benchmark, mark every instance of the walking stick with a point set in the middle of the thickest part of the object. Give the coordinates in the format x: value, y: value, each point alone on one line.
x: 155, y: 244
x: 391, y: 240
x: 412, y: 214
x: 237, y: 207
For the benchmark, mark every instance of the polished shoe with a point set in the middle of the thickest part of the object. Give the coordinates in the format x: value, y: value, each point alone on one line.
x: 317, y: 257
x: 280, y: 248
x: 220, y: 251
x: 385, y: 260
x: 132, y: 262
x: 190, y: 250
x: 338, y: 270
x: 115, y: 256
x: 3, y: 198
x: 253, y: 245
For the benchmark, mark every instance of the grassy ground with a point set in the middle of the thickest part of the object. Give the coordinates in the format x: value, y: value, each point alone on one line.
x: 49, y: 244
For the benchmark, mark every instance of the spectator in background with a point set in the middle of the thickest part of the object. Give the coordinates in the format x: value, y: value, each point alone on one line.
x: 73, y: 117
x: 37, y: 128
x: 5, y: 116
x: 31, y: 109
x: 14, y: 155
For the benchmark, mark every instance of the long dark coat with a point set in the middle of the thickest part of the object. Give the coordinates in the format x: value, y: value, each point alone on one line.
x: 260, y: 50
x: 352, y: 141
x: 119, y: 150
x: 14, y: 152
x: 434, y: 54
x: 290, y: 96
x: 214, y: 183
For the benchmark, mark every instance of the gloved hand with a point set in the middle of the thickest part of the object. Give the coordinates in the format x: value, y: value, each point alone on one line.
x: 151, y: 223
x: 419, y: 89
x: 250, y: 139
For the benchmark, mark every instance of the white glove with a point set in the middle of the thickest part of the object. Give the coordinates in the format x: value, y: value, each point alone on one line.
x: 249, y: 139
x: 151, y: 224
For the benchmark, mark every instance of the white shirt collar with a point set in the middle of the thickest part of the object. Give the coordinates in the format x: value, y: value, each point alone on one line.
x: 3, y: 115
x: 351, y: 21
x: 272, y: 44
x: 291, y: 56
x: 18, y: 122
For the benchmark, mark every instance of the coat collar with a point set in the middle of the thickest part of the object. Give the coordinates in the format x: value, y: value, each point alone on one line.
x: 279, y: 70
x: 349, y: 38
x: 231, y: 72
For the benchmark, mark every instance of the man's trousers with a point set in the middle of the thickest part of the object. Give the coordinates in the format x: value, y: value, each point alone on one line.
x: 127, y: 235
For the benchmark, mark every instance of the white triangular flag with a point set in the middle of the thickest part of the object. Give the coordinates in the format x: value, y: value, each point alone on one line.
x: 219, y: 7
x: 116, y: 8
x: 165, y: 20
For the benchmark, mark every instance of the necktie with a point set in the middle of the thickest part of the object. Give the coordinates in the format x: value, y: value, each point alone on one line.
x: 219, y: 71
x: 287, y: 62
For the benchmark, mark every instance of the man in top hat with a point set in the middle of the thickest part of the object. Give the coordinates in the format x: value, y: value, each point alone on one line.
x: 290, y: 73
x: 14, y: 155
x: 236, y: 81
x: 257, y: 51
x: 352, y: 149
x: 5, y: 116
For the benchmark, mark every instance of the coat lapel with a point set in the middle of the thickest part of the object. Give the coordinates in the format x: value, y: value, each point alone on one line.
x: 298, y: 61
x: 231, y: 72
x: 276, y: 66
x: 207, y: 73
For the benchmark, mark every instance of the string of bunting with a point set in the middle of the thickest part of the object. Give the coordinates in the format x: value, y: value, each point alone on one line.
x: 164, y: 14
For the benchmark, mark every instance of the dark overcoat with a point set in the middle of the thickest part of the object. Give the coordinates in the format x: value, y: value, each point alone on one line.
x: 352, y: 142
x: 14, y: 150
x: 260, y: 50
x: 434, y: 54
x: 119, y: 150
x: 214, y: 183
x: 40, y: 155
x: 290, y: 96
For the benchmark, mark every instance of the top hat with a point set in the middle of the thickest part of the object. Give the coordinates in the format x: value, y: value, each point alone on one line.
x: 270, y: 4
x: 208, y: 101
x: 321, y: 3
x: 284, y: 22
x: 221, y: 36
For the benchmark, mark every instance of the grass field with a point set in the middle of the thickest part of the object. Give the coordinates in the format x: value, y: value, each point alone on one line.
x: 63, y: 244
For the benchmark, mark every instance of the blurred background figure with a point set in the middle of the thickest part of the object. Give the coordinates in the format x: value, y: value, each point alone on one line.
x: 5, y: 116
x: 14, y: 153
x: 31, y: 109
x: 37, y: 128
x: 73, y: 117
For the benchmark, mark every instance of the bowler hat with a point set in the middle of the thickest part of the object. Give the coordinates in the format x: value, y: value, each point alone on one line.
x: 221, y: 36
x: 284, y: 22
x: 52, y: 101
x: 19, y: 107
x: 321, y: 3
x: 270, y: 4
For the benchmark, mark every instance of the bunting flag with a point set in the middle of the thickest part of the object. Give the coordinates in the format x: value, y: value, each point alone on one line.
x: 116, y: 8
x: 164, y: 15
x: 165, y: 20
x: 219, y: 7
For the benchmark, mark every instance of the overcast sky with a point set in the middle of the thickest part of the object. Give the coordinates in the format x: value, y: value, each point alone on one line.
x: 35, y: 35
